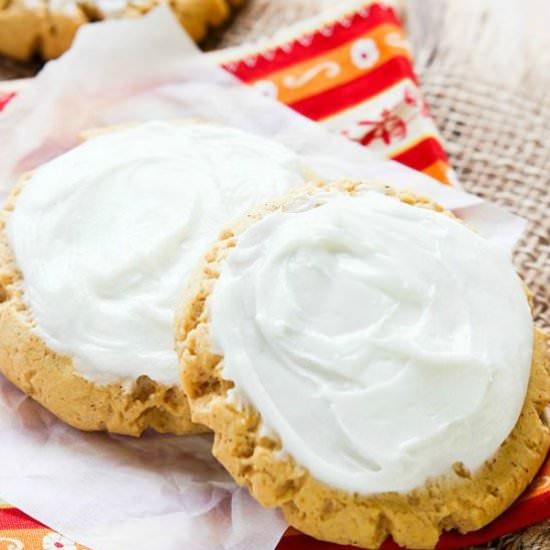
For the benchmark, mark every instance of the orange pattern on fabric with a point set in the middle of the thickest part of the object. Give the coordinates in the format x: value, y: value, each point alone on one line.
x: 352, y: 84
x: 438, y: 170
x: 339, y: 66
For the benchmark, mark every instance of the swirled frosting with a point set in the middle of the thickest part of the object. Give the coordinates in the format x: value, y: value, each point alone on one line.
x: 104, y: 233
x: 381, y: 343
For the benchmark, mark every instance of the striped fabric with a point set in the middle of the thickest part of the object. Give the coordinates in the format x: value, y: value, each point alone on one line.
x: 354, y: 75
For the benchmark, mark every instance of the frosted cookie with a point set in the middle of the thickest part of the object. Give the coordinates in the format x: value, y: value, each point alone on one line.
x: 47, y: 27
x: 368, y: 364
x: 93, y: 247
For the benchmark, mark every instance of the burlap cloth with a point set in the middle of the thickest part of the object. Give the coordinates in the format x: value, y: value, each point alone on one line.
x: 481, y: 76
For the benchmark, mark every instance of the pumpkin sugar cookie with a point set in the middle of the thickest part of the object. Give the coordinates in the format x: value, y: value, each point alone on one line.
x: 368, y: 364
x: 92, y: 247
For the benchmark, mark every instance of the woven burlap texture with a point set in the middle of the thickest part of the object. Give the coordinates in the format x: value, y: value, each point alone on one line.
x: 496, y: 125
x: 497, y: 131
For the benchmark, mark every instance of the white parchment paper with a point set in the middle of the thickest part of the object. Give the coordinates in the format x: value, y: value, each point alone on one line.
x: 158, y: 492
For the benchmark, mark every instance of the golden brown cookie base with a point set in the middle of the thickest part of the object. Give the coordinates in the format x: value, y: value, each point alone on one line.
x: 51, y: 379
x: 461, y: 500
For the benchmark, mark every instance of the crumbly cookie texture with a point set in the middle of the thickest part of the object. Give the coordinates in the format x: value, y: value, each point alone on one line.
x: 47, y: 27
x: 461, y: 500
x: 52, y: 380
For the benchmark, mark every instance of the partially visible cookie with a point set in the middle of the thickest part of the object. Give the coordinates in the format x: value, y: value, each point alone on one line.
x: 21, y: 28
x: 63, y: 19
x: 255, y: 437
x: 47, y: 27
x: 198, y: 17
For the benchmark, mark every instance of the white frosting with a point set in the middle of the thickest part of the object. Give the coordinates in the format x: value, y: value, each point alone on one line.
x: 381, y: 342
x: 106, y: 234
x: 118, y: 8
